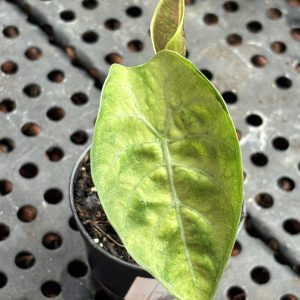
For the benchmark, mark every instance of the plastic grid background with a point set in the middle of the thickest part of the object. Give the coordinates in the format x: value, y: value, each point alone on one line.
x: 255, y: 91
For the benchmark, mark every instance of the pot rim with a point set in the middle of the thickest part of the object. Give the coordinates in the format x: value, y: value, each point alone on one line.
x: 81, y: 226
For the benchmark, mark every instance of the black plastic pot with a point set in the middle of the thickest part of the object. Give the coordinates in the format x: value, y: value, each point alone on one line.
x: 115, y: 276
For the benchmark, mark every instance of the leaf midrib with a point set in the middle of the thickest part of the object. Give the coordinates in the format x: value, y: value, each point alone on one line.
x: 176, y: 202
x: 164, y: 142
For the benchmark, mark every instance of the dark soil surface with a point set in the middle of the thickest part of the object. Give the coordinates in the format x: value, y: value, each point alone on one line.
x: 92, y: 216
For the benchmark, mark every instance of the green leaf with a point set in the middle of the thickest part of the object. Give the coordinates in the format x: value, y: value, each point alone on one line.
x: 167, y: 167
x: 167, y: 26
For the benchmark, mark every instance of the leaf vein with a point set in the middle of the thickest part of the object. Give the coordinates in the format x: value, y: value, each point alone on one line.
x: 205, y: 173
x: 124, y: 150
x: 155, y: 229
x: 176, y: 203
x: 204, y: 136
x: 147, y: 123
x: 132, y: 193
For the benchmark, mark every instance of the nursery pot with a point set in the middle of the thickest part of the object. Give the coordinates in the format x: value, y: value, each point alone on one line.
x: 116, y: 276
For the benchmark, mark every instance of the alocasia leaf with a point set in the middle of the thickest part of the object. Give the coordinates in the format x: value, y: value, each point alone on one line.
x: 167, y: 166
x: 167, y: 26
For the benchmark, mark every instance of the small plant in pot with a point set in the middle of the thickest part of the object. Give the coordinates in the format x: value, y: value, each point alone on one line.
x: 166, y: 165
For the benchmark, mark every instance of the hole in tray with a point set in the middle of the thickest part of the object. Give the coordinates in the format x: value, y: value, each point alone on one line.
x: 251, y: 230
x: 53, y: 196
x: 79, y: 137
x: 237, y: 248
x: 239, y: 134
x: 24, y: 260
x: 273, y: 244
x: 27, y: 213
x: 89, y: 4
x: 274, y: 13
x: 278, y: 47
x: 31, y: 129
x: 90, y: 37
x: 259, y: 159
x: 135, y: 46
x: 260, y: 275
x: 94, y: 72
x: 52, y: 241
x: 288, y: 297
x: 77, y: 268
x: 51, y: 289
x: 4, y: 232
x: 67, y: 15
x: 208, y: 74
x: 230, y: 97
x: 112, y: 24
x: 292, y: 226
x: 54, y: 154
x: 231, y: 6
x: 254, y: 120
x: 33, y: 53
x: 264, y: 200
x: 79, y: 98
x: 295, y: 33
x: 32, y: 90
x: 9, y: 67
x: 281, y: 259
x: 134, y: 11
x: 29, y: 170
x: 7, y: 105
x: 6, y: 145
x: 190, y: 2
x: 11, y: 31
x: 3, y: 280
x: 210, y: 19
x: 296, y: 269
x: 236, y: 293
x: 254, y: 26
x: 293, y: 3
x: 280, y: 143
x: 48, y: 29
x: 57, y: 76
x: 283, y: 82
x: 112, y: 58
x: 259, y: 61
x: 234, y: 39
x: 285, y: 183
x: 72, y: 223
x: 5, y: 187
x: 55, y: 113
x: 71, y: 52
x: 102, y: 295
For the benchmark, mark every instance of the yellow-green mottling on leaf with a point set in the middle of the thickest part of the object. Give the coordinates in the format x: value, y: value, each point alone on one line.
x: 167, y: 167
